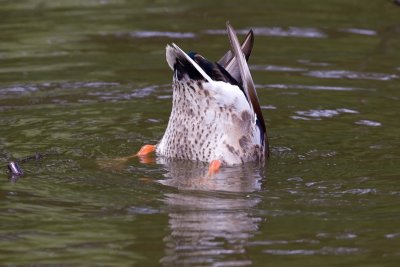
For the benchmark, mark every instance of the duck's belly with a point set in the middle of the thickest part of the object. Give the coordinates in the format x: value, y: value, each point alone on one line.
x: 202, y: 128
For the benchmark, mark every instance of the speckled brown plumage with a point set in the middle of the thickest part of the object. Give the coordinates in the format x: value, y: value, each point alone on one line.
x: 212, y: 117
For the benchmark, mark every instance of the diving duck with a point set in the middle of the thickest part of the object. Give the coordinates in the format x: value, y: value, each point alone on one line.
x: 216, y: 116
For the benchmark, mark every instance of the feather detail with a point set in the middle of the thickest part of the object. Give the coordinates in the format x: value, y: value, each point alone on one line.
x: 229, y: 61
x: 247, y: 80
x: 174, y: 52
x: 215, y: 110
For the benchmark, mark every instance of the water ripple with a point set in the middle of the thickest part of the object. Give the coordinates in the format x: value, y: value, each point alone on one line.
x: 276, y: 68
x: 342, y: 236
x: 368, y: 123
x: 317, y: 114
x: 21, y: 89
x: 283, y: 242
x: 154, y: 34
x: 268, y: 107
x: 322, y: 251
x: 344, y: 74
x: 312, y: 63
x: 392, y: 235
x: 311, y: 87
x: 278, y: 31
x: 281, y: 150
x: 116, y: 95
x: 360, y: 191
x: 359, y: 31
x: 76, y: 85
x: 18, y: 89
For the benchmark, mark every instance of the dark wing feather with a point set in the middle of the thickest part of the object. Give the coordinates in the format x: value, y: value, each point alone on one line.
x: 229, y: 61
x: 247, y: 80
x: 247, y: 47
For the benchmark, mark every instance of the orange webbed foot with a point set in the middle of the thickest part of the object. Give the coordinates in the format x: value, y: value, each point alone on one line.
x: 145, y: 150
x: 144, y: 153
x: 214, y: 166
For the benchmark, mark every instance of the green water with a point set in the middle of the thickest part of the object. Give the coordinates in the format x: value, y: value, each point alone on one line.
x: 85, y: 82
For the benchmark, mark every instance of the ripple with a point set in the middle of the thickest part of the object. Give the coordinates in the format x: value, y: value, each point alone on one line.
x: 75, y: 85
x: 143, y: 92
x: 289, y: 32
x: 295, y: 179
x: 317, y: 114
x: 359, y: 31
x: 283, y: 242
x: 311, y: 63
x: 154, y: 34
x: 369, y: 123
x: 311, y: 87
x: 281, y: 150
x: 344, y: 74
x: 378, y: 147
x: 141, y: 210
x: 118, y: 95
x: 276, y: 68
x: 392, y: 235
x: 278, y: 31
x: 346, y: 236
x: 164, y: 96
x: 153, y: 120
x: 268, y: 107
x: 360, y: 191
x: 346, y: 110
x: 18, y: 89
x: 322, y: 251
x: 21, y: 89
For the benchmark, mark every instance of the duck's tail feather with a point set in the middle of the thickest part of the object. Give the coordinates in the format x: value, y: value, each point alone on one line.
x: 229, y: 61
x: 247, y: 80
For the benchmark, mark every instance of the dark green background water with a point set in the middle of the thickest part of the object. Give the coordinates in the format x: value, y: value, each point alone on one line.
x: 87, y: 82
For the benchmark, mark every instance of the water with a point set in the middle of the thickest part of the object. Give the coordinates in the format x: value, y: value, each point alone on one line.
x: 85, y: 82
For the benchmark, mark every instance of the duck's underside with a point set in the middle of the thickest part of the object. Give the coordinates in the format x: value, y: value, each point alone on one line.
x: 204, y: 125
x: 215, y: 113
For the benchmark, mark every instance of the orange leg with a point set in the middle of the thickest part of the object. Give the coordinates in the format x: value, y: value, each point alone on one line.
x: 145, y: 150
x: 214, y: 166
x: 119, y: 163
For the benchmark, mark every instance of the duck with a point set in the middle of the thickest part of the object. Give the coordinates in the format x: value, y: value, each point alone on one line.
x: 216, y: 116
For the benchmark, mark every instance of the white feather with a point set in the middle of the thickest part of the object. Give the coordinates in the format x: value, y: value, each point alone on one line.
x: 198, y: 68
x: 228, y: 95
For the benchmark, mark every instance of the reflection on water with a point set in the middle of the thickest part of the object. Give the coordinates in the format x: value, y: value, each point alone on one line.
x: 190, y: 175
x: 205, y: 227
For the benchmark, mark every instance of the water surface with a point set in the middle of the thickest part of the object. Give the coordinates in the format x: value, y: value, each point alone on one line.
x: 85, y: 82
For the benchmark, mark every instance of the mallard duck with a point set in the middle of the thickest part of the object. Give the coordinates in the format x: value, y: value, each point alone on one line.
x: 216, y: 116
